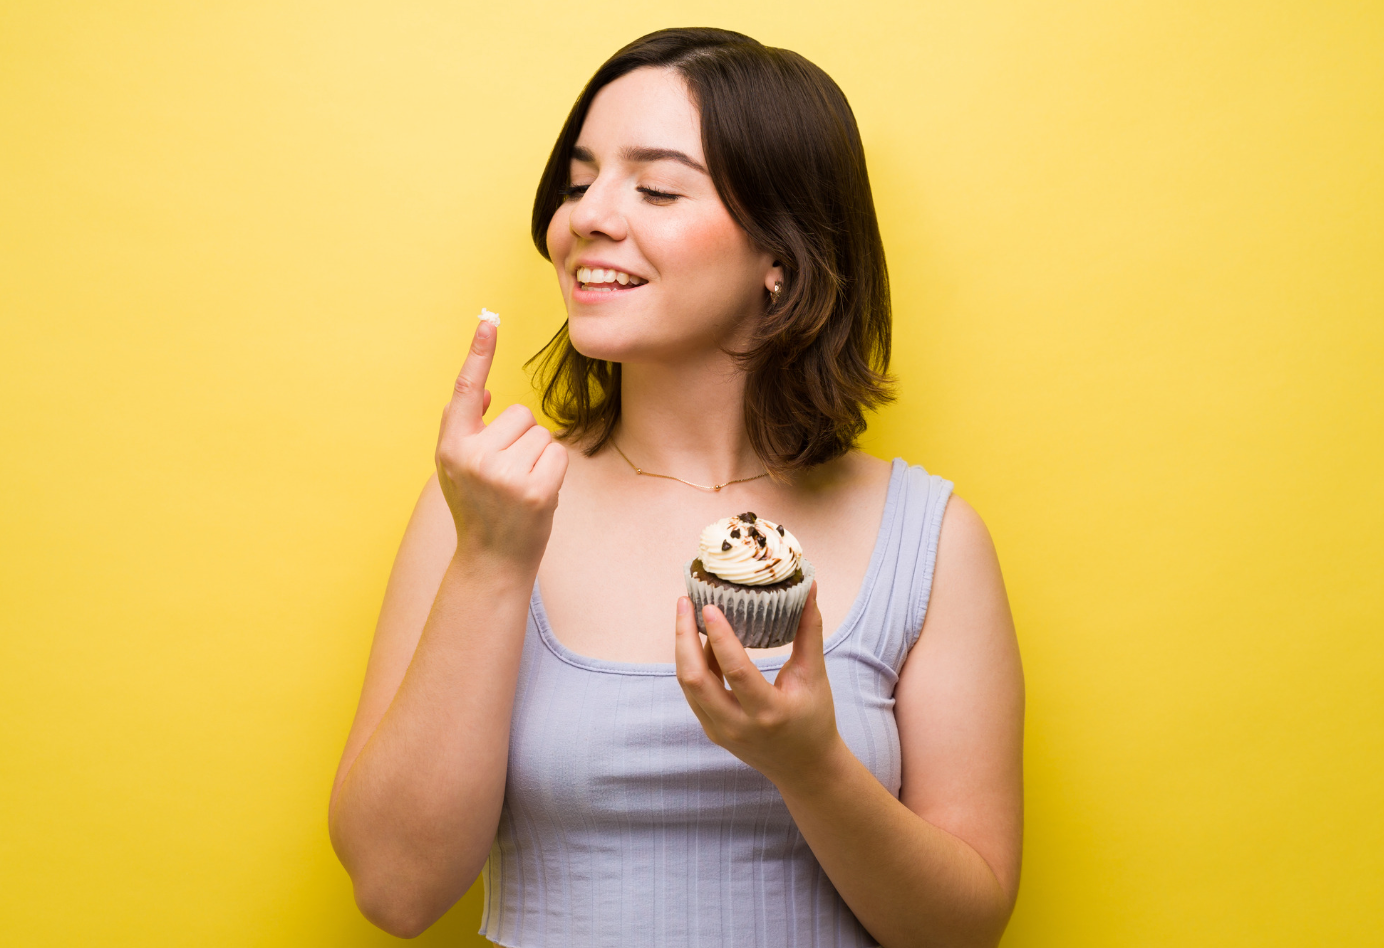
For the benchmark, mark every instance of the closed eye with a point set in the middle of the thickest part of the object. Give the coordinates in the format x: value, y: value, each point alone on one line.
x: 655, y: 196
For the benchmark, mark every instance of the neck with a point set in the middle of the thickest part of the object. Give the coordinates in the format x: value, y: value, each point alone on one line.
x: 687, y: 421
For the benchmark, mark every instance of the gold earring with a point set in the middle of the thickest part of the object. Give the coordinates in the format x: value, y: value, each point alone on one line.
x: 774, y: 293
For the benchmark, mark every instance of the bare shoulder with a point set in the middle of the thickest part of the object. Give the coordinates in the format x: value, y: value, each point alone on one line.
x: 867, y: 466
x: 870, y: 466
x: 965, y: 548
x: 968, y: 601
x: 854, y: 473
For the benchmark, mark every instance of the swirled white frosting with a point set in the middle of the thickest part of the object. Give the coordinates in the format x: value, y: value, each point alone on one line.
x: 749, y: 550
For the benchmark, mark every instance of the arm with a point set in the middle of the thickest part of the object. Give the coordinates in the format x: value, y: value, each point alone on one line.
x: 418, y: 793
x: 939, y: 866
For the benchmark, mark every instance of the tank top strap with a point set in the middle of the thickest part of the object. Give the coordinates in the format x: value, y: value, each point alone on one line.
x: 900, y: 579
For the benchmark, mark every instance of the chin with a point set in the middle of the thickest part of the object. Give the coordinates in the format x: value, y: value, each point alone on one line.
x: 620, y: 340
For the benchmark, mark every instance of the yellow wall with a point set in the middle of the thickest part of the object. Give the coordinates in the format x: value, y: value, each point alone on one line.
x: 1138, y: 254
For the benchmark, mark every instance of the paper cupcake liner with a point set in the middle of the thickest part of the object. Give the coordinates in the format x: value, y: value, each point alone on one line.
x: 761, y: 618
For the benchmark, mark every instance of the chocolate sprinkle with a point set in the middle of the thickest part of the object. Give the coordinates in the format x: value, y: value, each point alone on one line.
x: 780, y: 529
x: 725, y: 545
x: 759, y: 538
x: 748, y: 517
x: 735, y: 534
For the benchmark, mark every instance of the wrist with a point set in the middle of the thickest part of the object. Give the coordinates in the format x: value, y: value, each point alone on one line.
x: 822, y: 775
x: 494, y: 570
x: 506, y: 548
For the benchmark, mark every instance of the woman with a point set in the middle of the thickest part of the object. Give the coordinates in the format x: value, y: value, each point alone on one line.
x: 538, y: 702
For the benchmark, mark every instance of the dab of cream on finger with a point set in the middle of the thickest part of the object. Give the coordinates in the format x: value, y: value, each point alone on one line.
x: 489, y: 317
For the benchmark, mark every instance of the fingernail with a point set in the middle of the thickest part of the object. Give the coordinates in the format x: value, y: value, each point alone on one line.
x: 684, y: 606
x: 484, y: 331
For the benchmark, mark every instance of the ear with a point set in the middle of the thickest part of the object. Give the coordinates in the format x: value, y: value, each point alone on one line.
x: 773, y: 275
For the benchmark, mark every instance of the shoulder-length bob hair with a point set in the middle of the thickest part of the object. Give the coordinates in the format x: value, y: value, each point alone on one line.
x: 784, y: 152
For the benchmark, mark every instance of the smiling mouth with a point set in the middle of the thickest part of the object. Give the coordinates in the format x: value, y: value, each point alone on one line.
x: 599, y: 280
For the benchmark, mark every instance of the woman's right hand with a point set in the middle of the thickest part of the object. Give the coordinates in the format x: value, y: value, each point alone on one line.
x: 500, y: 480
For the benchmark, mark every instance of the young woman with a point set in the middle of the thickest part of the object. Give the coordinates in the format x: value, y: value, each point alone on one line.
x: 539, y: 705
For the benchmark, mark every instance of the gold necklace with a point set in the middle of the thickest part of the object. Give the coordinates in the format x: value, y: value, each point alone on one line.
x: 713, y: 488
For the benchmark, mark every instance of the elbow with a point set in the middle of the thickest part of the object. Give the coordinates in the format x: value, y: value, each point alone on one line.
x: 990, y: 922
x: 979, y: 922
x: 985, y: 924
x: 394, y: 912
x: 406, y: 903
x: 398, y: 891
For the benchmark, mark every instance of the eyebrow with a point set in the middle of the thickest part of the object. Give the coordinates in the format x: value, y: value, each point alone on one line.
x: 642, y: 154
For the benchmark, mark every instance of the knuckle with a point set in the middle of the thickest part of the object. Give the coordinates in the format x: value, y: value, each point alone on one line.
x: 482, y: 467
x: 465, y: 386
x: 768, y: 719
x: 691, y: 679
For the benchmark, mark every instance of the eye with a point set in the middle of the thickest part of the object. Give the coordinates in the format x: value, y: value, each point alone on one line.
x: 654, y: 196
x: 573, y: 191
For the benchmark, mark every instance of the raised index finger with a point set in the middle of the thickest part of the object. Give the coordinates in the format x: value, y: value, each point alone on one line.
x: 468, y: 397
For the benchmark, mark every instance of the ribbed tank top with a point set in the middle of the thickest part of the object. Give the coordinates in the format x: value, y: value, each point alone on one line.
x: 623, y: 825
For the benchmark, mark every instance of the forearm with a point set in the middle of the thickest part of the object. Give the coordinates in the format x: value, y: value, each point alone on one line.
x: 415, y: 814
x: 909, y: 882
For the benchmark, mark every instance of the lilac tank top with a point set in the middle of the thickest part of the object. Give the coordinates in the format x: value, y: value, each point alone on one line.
x: 623, y: 825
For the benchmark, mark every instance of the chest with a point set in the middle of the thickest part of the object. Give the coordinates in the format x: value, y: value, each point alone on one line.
x: 623, y: 824
x: 613, y: 570
x: 618, y: 746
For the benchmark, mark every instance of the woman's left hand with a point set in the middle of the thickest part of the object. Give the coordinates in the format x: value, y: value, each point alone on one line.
x: 785, y: 729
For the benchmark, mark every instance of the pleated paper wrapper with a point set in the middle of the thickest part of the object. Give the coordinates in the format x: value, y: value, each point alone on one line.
x: 761, y: 618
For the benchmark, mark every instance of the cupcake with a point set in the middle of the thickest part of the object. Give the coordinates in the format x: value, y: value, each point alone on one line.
x: 752, y: 570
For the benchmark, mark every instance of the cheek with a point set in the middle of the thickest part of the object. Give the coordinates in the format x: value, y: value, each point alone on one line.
x: 559, y: 237
x: 693, y: 246
x: 709, y: 258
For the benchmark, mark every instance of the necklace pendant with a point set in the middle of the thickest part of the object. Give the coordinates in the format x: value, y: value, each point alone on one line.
x: 718, y: 487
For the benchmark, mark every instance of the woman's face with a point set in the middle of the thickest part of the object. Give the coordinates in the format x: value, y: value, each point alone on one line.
x: 642, y: 205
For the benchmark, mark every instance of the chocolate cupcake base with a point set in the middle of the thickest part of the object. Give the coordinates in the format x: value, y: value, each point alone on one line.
x: 762, y: 616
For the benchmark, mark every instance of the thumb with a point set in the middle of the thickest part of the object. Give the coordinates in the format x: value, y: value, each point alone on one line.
x: 807, y: 642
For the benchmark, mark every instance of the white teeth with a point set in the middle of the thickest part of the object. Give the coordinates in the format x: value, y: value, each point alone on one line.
x: 596, y: 275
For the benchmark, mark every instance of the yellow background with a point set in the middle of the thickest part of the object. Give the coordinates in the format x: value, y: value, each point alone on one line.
x: 1138, y: 259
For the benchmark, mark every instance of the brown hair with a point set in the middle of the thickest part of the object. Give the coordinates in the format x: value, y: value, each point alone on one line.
x: 784, y: 152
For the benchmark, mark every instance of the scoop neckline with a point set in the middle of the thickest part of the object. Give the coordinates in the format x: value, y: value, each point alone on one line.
x: 771, y: 663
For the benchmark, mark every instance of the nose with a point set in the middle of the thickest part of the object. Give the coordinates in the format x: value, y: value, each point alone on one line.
x: 598, y: 213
